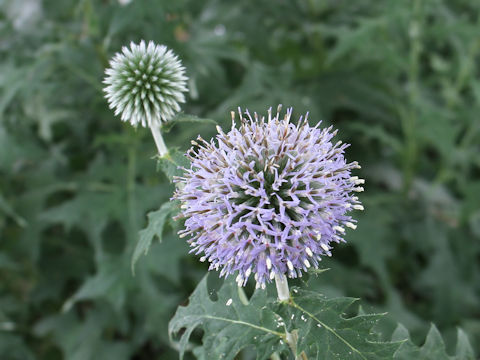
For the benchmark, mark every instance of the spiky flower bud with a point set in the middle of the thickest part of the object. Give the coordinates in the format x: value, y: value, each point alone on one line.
x: 268, y: 198
x: 145, y: 84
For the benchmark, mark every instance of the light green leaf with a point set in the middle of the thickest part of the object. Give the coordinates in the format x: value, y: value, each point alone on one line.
x: 156, y: 222
x: 228, y: 324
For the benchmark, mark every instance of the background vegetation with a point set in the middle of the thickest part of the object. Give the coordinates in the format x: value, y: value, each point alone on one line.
x: 400, y: 79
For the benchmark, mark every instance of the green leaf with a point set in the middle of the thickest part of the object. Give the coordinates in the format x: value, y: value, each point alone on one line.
x: 229, y: 324
x: 464, y: 349
x: 165, y: 258
x: 156, y: 222
x: 110, y: 283
x: 186, y: 118
x: 171, y: 162
x: 8, y: 210
x: 324, y: 333
x: 434, y: 347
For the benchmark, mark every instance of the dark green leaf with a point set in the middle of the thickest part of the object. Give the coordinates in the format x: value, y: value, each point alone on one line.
x: 228, y: 324
x: 156, y: 223
x: 325, y: 333
x: 433, y: 348
x: 186, y: 118
x: 172, y: 163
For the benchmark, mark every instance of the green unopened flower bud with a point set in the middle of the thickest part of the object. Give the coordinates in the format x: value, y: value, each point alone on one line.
x: 145, y: 84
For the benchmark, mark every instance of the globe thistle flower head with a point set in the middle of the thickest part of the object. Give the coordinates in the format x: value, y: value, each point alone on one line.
x: 145, y: 84
x: 268, y: 197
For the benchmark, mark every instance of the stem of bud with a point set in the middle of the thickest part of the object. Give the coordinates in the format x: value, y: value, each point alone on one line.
x: 157, y: 136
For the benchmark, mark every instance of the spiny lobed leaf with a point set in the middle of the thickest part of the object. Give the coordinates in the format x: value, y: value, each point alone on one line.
x: 229, y: 324
x: 433, y: 348
x: 324, y: 333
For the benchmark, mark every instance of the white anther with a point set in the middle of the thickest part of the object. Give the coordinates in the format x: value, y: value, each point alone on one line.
x: 269, y: 263
x: 307, y: 263
x: 325, y: 247
x: 229, y: 302
x: 358, y: 207
x: 248, y: 272
x: 203, y: 258
x: 359, y: 181
x: 290, y: 265
x: 272, y: 275
x: 309, y: 251
x: 339, y: 229
x: 319, y: 236
x: 350, y: 225
x: 358, y: 189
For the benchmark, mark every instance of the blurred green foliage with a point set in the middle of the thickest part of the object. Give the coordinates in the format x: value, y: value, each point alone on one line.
x: 400, y: 79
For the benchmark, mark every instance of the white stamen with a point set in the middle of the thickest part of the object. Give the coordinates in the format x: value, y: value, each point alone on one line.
x: 248, y: 272
x: 309, y: 251
x: 339, y: 229
x: 307, y: 263
x: 290, y: 265
x: 272, y: 275
x: 269, y: 263
x: 350, y: 225
x: 325, y: 247
x: 358, y: 207
x: 358, y: 189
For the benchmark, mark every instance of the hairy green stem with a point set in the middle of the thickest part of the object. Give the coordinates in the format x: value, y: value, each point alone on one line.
x: 284, y: 295
x: 131, y: 200
x: 157, y: 136
x: 282, y: 287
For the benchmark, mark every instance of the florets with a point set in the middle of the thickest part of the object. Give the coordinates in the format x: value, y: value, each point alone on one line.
x: 145, y: 84
x: 269, y: 197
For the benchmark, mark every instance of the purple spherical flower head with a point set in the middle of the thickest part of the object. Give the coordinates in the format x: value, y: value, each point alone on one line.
x: 268, y: 197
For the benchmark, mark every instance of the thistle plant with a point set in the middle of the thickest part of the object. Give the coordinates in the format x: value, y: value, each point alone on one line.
x: 268, y: 199
x: 145, y: 85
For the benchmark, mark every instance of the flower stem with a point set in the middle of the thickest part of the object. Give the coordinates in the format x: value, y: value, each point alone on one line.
x: 284, y: 295
x: 282, y: 287
x: 157, y: 136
